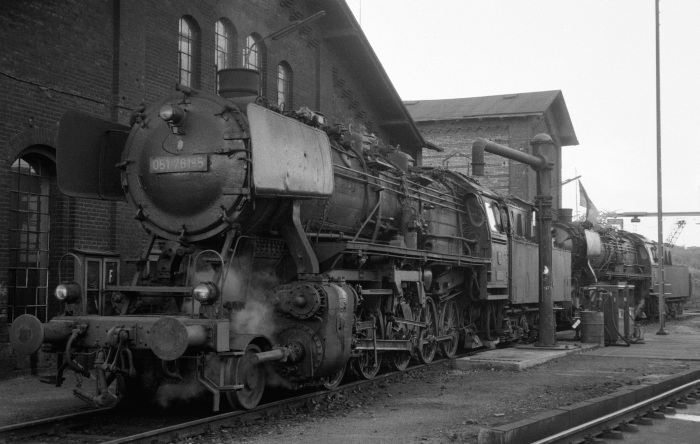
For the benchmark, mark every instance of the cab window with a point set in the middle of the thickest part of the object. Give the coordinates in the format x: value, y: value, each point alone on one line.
x: 494, y: 214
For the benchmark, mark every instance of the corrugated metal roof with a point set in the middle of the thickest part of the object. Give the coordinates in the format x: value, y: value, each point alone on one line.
x: 507, y: 105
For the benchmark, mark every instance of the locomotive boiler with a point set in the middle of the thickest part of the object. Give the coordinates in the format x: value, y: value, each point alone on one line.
x: 282, y: 251
x: 608, y: 256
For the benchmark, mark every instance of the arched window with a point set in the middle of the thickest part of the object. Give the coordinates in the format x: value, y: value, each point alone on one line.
x: 223, y: 45
x: 225, y: 42
x: 188, y: 51
x: 284, y: 86
x: 31, y: 180
x: 254, y: 57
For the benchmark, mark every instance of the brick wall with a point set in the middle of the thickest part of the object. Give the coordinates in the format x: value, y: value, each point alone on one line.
x: 506, y: 176
x: 104, y: 57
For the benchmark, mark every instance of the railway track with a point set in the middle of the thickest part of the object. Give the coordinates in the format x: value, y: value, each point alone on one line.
x: 84, y: 427
x: 629, y: 418
x: 632, y: 411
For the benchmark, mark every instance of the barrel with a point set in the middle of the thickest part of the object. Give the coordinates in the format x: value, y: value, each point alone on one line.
x: 592, y: 330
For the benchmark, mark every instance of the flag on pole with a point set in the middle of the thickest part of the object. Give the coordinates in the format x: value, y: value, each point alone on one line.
x: 591, y: 210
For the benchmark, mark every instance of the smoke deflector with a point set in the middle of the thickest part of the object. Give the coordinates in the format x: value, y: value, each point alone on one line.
x: 88, y: 150
x: 290, y: 159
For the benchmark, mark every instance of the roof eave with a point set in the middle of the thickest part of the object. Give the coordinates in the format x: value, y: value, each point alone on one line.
x: 400, y: 125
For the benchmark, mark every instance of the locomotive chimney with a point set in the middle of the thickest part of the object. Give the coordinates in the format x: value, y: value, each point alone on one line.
x: 239, y: 85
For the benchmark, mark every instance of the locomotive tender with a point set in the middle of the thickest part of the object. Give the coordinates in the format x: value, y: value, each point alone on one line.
x: 282, y: 251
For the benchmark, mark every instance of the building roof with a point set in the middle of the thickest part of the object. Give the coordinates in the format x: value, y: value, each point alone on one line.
x: 342, y: 32
x: 507, y: 105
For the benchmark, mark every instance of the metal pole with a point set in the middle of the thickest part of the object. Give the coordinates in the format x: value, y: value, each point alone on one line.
x: 543, y: 147
x: 542, y: 162
x: 660, y: 246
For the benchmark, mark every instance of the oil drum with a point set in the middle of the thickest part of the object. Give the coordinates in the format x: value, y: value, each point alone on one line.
x: 592, y: 331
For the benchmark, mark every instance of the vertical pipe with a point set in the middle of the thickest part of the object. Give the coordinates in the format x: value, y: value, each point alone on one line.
x: 116, y: 65
x: 578, y: 192
x: 543, y: 162
x: 478, y: 163
x: 543, y: 147
x: 660, y: 252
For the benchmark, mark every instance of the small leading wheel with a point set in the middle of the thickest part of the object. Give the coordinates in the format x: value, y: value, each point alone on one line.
x: 449, y: 325
x: 333, y: 380
x: 426, y: 339
x: 242, y: 371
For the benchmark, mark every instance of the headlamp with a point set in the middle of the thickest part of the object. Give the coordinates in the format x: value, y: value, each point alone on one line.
x: 68, y: 292
x: 172, y: 114
x: 206, y: 293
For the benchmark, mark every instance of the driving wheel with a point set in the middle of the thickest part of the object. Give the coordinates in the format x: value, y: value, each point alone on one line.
x: 449, y: 325
x: 426, y: 339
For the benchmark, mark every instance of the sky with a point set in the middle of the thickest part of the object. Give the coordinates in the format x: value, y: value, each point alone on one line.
x: 600, y: 53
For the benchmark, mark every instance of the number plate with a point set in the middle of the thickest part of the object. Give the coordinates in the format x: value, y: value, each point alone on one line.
x: 178, y: 164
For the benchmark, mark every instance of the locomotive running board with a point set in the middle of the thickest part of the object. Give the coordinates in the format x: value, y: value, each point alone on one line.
x: 327, y: 250
x: 164, y: 290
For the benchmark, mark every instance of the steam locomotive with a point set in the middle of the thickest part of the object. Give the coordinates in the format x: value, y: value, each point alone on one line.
x: 284, y: 251
x: 603, y: 256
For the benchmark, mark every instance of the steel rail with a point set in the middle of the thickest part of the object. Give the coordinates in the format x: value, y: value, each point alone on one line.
x: 204, y: 425
x: 39, y: 426
x: 19, y: 431
x: 599, y: 424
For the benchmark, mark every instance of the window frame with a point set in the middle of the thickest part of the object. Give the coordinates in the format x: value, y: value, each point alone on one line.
x: 30, y: 237
x: 188, y: 52
x: 285, y: 79
x: 260, y: 51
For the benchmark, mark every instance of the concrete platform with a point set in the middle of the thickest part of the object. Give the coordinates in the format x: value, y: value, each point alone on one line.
x: 520, y: 357
x: 682, y: 347
x: 682, y: 343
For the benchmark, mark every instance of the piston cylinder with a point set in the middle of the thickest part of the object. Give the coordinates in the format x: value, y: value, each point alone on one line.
x: 277, y: 354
